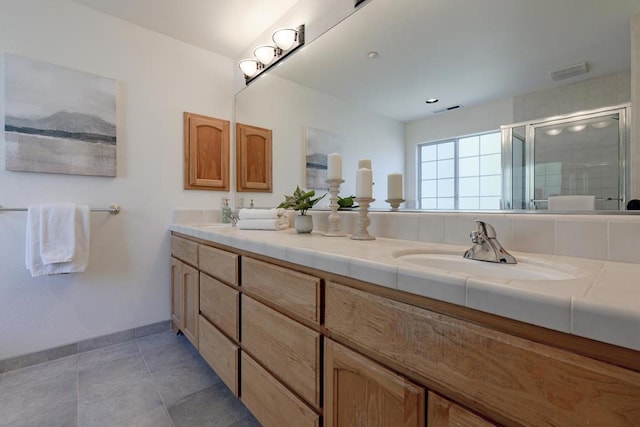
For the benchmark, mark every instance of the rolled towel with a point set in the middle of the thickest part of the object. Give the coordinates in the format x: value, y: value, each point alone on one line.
x: 281, y: 223
x: 261, y: 213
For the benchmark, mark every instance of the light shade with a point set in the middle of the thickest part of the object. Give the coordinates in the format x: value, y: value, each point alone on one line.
x: 249, y: 67
x: 284, y: 38
x: 265, y: 54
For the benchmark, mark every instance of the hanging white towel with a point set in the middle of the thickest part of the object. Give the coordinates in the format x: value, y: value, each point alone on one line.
x: 33, y: 257
x: 261, y: 213
x: 57, y: 232
x: 281, y: 223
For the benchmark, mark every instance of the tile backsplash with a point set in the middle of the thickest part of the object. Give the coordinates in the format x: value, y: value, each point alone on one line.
x: 603, y: 237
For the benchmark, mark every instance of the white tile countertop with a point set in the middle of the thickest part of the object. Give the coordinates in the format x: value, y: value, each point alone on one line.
x: 602, y: 303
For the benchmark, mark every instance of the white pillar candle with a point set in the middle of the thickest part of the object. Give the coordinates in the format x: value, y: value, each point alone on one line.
x: 394, y: 186
x: 334, y: 166
x: 364, y: 164
x: 364, y: 183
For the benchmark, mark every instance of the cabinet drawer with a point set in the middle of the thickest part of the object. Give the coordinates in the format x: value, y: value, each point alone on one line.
x: 220, y: 353
x: 219, y: 304
x: 185, y: 250
x: 290, y: 350
x: 270, y: 402
x: 294, y: 292
x: 508, y: 379
x: 220, y: 264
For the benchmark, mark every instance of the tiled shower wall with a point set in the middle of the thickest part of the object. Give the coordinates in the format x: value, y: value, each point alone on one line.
x: 611, y: 89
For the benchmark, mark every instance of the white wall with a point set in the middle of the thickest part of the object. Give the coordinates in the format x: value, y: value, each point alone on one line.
x: 288, y: 108
x: 127, y: 283
x: 483, y: 118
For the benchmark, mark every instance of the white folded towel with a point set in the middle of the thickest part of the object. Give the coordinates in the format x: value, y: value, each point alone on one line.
x: 281, y: 223
x: 57, y: 232
x: 33, y: 256
x: 261, y: 213
x: 571, y: 203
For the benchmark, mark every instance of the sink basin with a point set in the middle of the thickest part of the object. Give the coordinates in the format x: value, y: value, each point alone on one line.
x: 527, y: 268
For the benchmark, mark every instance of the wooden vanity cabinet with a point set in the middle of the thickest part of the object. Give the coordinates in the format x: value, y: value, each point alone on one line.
x: 361, y: 392
x: 281, y: 369
x: 443, y: 412
x: 185, y: 300
x: 299, y: 349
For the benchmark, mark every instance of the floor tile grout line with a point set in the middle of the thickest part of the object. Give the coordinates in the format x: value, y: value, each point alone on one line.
x: 77, y: 394
x: 155, y: 385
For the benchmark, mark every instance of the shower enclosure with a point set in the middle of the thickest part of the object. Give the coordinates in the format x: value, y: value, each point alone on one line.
x: 582, y: 153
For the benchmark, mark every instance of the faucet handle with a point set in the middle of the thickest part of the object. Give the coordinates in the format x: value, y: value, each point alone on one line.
x: 484, y: 229
x: 474, y: 236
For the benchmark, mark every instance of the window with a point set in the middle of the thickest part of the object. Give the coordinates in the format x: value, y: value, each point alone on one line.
x: 461, y: 173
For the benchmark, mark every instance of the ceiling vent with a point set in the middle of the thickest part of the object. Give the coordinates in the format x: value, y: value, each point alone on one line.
x: 442, y: 110
x: 571, y: 71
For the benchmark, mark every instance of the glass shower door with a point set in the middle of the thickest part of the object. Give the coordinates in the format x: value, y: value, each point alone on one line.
x: 581, y: 155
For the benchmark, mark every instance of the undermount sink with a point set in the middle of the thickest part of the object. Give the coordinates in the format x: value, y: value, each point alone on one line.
x: 527, y: 268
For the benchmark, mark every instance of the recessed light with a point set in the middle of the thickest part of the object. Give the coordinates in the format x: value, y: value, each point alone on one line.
x: 373, y: 54
x: 432, y: 100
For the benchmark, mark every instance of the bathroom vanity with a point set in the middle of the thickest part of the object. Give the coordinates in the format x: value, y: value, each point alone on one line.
x: 309, y: 330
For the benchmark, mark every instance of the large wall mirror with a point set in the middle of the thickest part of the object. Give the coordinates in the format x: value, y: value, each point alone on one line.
x: 495, y: 66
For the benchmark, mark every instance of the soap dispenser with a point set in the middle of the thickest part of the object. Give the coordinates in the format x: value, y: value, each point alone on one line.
x: 226, y: 211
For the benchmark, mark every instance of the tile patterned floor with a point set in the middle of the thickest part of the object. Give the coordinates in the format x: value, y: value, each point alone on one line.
x: 159, y: 380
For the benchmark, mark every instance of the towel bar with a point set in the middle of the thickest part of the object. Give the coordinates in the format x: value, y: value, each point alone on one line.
x: 113, y: 209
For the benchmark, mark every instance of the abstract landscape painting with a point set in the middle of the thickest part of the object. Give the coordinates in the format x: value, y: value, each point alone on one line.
x: 58, y: 120
x: 320, y: 143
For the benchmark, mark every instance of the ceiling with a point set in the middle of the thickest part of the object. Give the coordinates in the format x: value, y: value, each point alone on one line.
x: 225, y: 27
x: 465, y: 52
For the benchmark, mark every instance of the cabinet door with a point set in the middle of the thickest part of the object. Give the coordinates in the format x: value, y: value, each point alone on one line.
x: 206, y: 153
x: 361, y: 392
x: 442, y: 412
x: 253, y: 158
x: 190, y: 303
x: 176, y: 295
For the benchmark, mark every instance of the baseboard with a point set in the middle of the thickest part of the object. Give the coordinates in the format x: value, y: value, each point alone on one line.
x: 25, y: 360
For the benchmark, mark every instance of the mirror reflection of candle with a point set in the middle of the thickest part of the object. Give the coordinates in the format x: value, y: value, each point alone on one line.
x: 334, y: 166
x: 394, y: 186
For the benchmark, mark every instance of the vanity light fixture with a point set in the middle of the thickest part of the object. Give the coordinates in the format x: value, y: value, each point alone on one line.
x: 265, y: 54
x: 576, y: 128
x: 432, y: 100
x: 554, y: 131
x: 286, y: 40
x: 601, y: 124
x: 249, y: 67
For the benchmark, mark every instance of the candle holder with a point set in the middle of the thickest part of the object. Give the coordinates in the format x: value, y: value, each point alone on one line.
x: 363, y: 219
x: 334, y: 218
x: 395, y: 203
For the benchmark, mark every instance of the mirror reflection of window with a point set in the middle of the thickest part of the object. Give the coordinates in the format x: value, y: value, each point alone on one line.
x: 461, y: 173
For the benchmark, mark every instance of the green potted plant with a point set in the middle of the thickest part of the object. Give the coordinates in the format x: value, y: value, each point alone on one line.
x: 301, y: 201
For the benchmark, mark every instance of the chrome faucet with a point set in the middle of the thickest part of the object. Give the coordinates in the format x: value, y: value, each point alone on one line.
x: 486, y: 246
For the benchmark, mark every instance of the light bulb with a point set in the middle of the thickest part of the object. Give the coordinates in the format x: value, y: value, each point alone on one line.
x: 265, y: 54
x: 284, y: 38
x: 249, y: 67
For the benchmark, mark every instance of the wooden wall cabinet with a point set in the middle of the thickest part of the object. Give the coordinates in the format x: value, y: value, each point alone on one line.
x: 206, y: 153
x: 361, y: 392
x: 253, y: 158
